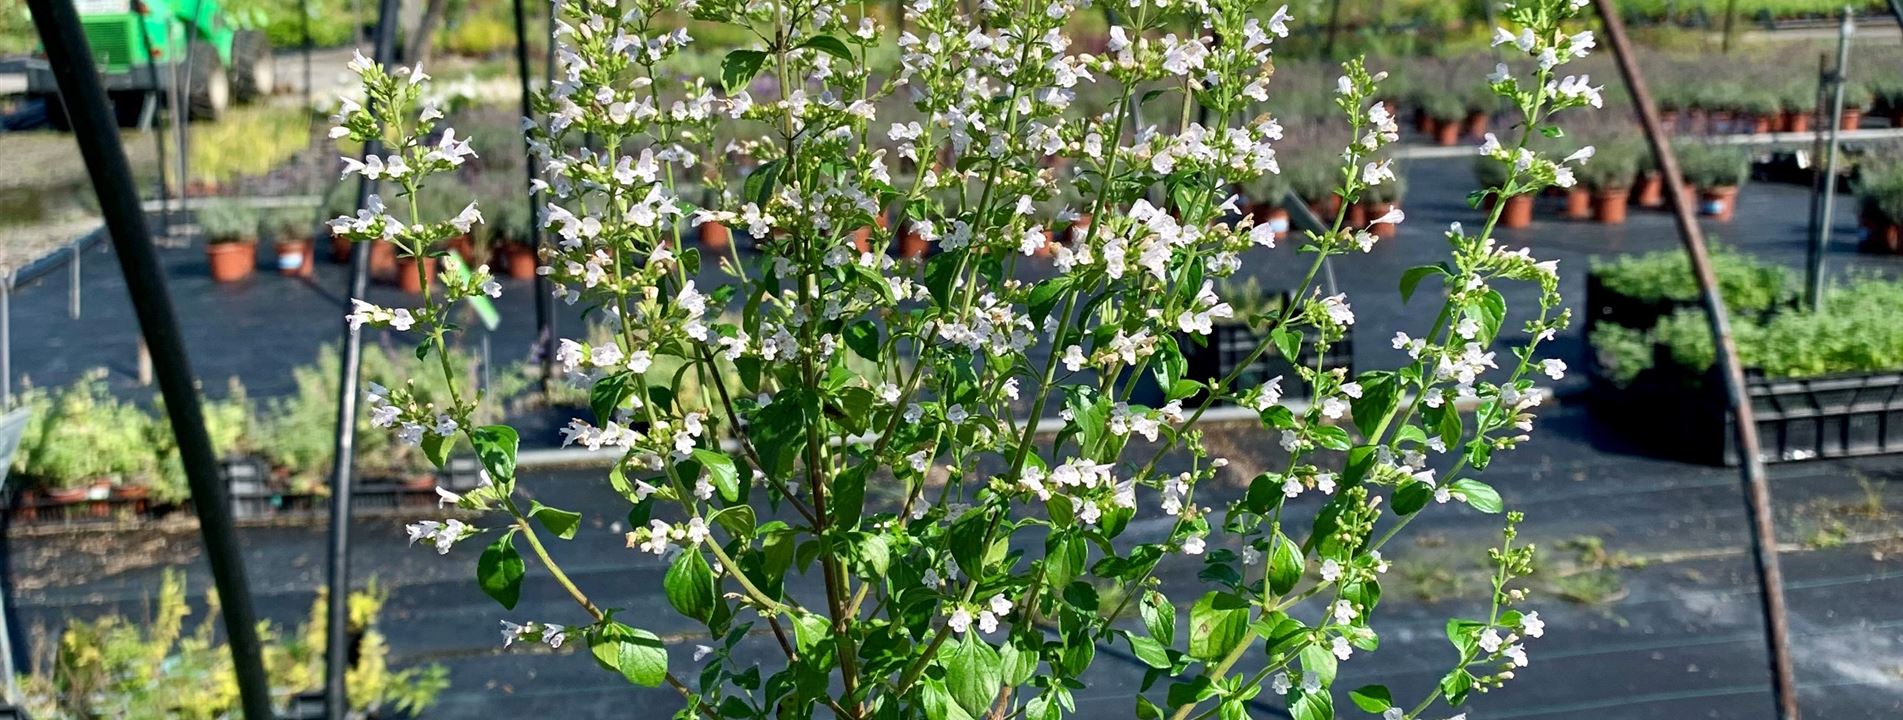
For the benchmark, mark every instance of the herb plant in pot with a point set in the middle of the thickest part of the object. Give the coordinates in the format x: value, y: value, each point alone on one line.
x: 231, y: 240
x: 1380, y: 200
x: 1879, y: 189
x: 291, y: 238
x: 1609, y: 176
x: 1717, y: 171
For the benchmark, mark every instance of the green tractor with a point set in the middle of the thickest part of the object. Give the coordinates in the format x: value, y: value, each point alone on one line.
x: 146, y: 50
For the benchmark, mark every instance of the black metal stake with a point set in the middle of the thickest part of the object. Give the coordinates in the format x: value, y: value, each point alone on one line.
x: 1827, y: 210
x: 158, y: 131
x: 1745, y: 429
x: 534, y: 167
x: 337, y: 610
x: 97, y: 132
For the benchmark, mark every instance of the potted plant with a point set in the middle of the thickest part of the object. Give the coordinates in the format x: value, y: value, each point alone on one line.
x: 1446, y: 112
x: 1797, y: 102
x: 412, y: 271
x: 1879, y: 189
x: 291, y: 238
x: 1377, y: 201
x: 231, y: 240
x: 85, y: 444
x: 341, y: 199
x: 1609, y: 177
x: 1492, y: 173
x: 1857, y: 96
x: 1717, y: 171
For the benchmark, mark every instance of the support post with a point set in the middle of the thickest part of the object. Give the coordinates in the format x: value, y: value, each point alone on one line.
x: 6, y: 341
x: 1827, y: 210
x: 533, y: 165
x: 1751, y: 467
x: 97, y: 132
x: 337, y: 609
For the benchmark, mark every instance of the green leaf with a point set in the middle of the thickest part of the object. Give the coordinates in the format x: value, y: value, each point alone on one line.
x: 829, y: 45
x: 1159, y: 617
x: 690, y: 585
x: 1289, y: 342
x: 437, y: 448
x: 1064, y: 558
x: 967, y: 537
x: 1313, y: 706
x: 1493, y: 312
x: 939, y: 704
x: 940, y: 272
x: 863, y: 338
x: 758, y: 187
x: 495, y: 446
x: 1411, y: 496
x: 1320, y: 661
x: 1044, y: 297
x: 1414, y: 276
x: 1151, y: 652
x: 561, y: 522
x: 720, y: 470
x: 974, y: 674
x: 499, y: 571
x: 847, y: 497
x: 637, y: 654
x: 1331, y: 437
x: 1373, y: 699
x: 1380, y: 393
x: 1477, y: 494
x: 1216, y: 623
x: 1286, y: 564
x: 740, y: 67
x: 608, y: 394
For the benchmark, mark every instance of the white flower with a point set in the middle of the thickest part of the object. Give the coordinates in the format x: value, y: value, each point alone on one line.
x: 1340, y: 647
x: 1331, y: 570
x: 1279, y: 684
x: 1393, y: 216
x: 1491, y: 641
x: 1553, y: 367
x: 702, y: 651
x: 1193, y: 545
x: 1516, y: 653
x: 960, y: 621
x: 1532, y: 625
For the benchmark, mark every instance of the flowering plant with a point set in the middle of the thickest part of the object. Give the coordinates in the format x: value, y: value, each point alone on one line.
x: 824, y: 370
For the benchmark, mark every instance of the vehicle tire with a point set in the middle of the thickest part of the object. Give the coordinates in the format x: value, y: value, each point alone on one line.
x: 253, y: 75
x: 210, y: 87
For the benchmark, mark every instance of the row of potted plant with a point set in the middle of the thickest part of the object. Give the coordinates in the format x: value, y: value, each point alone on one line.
x: 1879, y: 187
x: 233, y: 232
x: 1822, y: 383
x: 84, y: 447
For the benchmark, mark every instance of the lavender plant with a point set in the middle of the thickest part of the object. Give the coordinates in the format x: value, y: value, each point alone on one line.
x: 821, y: 371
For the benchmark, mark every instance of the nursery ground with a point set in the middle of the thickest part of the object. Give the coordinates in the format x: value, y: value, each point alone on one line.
x: 1645, y: 583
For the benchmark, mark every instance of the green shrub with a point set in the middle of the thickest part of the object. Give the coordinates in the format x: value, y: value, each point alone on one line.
x: 1611, y: 168
x: 1714, y: 166
x: 1879, y: 187
x: 228, y: 222
x: 1858, y: 329
x: 1746, y: 283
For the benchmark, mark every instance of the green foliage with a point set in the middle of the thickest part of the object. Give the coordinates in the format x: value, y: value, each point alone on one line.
x: 113, y: 667
x: 1879, y: 187
x: 1857, y: 330
x: 228, y: 222
x: 247, y: 142
x: 1613, y: 166
x: 1707, y: 165
x: 83, y: 434
x: 1747, y: 284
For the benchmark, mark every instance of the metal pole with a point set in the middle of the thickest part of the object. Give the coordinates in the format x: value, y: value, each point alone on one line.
x: 1334, y: 26
x: 6, y: 341
x: 1820, y: 240
x: 97, y: 133
x: 158, y: 134
x: 1810, y: 161
x: 543, y: 303
x: 544, y: 290
x: 72, y: 299
x: 337, y: 617
x: 1757, y: 490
